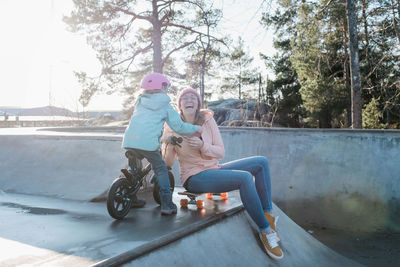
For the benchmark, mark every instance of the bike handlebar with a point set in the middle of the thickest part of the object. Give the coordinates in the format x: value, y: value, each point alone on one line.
x: 176, y: 140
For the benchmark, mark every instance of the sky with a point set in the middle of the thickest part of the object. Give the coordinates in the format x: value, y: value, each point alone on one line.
x: 38, y: 54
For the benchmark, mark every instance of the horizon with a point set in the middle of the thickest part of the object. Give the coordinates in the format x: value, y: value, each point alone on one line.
x: 38, y: 107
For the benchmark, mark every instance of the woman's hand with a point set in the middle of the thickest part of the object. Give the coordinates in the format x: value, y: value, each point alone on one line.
x: 194, y: 141
x: 166, y: 139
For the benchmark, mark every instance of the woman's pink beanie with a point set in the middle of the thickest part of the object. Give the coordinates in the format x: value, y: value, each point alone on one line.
x: 187, y: 91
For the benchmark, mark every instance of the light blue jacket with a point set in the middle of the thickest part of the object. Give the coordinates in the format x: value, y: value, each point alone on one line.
x: 147, y: 122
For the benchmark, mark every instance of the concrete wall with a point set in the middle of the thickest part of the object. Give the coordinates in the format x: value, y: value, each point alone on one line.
x: 70, y: 167
x: 332, y: 178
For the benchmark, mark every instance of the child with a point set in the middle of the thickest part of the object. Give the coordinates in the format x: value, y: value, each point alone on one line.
x: 142, y: 136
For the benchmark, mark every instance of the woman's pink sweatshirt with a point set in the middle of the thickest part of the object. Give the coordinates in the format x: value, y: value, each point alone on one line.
x: 193, y: 161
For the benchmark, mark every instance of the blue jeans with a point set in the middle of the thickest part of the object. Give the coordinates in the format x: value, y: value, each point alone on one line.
x: 238, y: 174
x: 157, y: 164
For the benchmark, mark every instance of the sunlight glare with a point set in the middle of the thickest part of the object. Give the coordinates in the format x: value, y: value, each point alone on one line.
x: 43, y: 55
x: 15, y: 253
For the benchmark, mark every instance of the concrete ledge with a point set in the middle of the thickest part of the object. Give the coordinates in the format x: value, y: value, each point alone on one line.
x: 119, y: 129
x: 310, y: 130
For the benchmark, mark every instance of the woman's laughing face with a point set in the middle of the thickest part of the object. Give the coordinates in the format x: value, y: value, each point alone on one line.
x: 189, y: 103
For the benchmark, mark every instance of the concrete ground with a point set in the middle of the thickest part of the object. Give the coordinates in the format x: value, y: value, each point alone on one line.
x: 44, y: 231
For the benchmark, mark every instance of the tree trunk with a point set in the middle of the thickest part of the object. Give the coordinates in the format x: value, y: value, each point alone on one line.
x: 156, y: 38
x: 203, y: 67
x: 346, y: 73
x: 325, y: 120
x: 240, y: 82
x: 365, y: 20
x: 259, y: 88
x: 356, y: 105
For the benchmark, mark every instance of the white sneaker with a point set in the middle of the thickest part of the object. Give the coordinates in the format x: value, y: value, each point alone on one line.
x: 271, y: 245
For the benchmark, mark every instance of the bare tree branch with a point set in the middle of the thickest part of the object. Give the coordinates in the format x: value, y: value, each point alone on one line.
x: 176, y: 49
x: 189, y: 29
x: 325, y: 7
x: 137, y: 52
x: 136, y: 16
x: 379, y: 63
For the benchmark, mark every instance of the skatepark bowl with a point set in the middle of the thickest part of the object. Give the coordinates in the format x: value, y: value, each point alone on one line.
x: 337, y: 194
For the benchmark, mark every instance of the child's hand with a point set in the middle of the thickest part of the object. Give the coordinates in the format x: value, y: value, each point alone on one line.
x: 198, y: 133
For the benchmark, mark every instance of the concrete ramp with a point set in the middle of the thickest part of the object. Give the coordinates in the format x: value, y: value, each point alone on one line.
x: 230, y: 240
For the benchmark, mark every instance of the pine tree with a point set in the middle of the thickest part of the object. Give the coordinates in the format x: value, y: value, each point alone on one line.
x: 317, y: 60
x: 373, y: 115
x: 320, y: 56
x: 284, y: 89
x: 205, y: 51
x: 238, y: 73
x: 379, y: 57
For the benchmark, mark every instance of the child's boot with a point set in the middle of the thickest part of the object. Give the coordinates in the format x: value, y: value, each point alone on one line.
x: 167, y: 206
x: 137, y: 202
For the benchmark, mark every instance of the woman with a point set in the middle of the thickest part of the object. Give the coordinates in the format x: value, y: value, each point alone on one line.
x: 201, y: 173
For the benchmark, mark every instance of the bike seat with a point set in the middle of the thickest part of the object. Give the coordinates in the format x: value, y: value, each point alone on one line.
x: 135, y: 160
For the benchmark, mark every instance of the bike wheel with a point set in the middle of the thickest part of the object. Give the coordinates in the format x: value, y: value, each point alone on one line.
x: 118, y: 200
x: 156, y: 188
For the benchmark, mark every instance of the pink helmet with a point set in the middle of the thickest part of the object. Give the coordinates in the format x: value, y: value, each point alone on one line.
x: 154, y: 81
